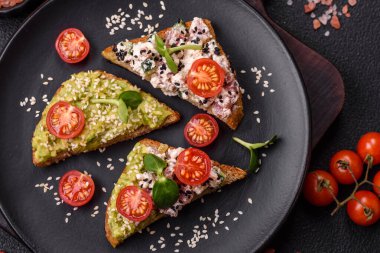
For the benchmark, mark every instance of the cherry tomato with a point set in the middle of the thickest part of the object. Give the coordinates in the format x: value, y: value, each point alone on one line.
x: 205, y: 78
x: 367, y: 212
x: 76, y: 188
x: 134, y: 203
x: 72, y: 46
x: 201, y: 130
x: 369, y: 144
x: 341, y: 164
x: 376, y: 183
x: 65, y: 121
x: 193, y: 167
x: 319, y: 188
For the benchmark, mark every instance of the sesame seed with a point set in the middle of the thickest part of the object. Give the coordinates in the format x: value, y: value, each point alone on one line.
x: 98, y: 164
x: 42, y: 76
x: 177, y: 228
x: 121, y: 160
x: 243, y: 71
x: 145, y: 4
x: 202, y: 200
x: 28, y: 110
x: 45, y: 83
x: 96, y: 207
x: 57, y: 178
x: 163, y: 246
x: 161, y: 15
x: 216, y: 232
x: 50, y: 78
x: 104, y: 189
x: 152, y: 232
x: 49, y: 178
x: 66, y: 220
x: 271, y: 90
x: 249, y: 97
x: 240, y: 212
x: 75, y: 208
x: 172, y: 234
x: 109, y: 159
x: 228, y: 214
x: 168, y: 225
x: 176, y: 250
x: 130, y: 6
x: 105, y: 203
x: 68, y: 214
x: 327, y: 33
x: 249, y: 199
x: 227, y: 228
x: 269, y: 74
x: 258, y: 120
x: 235, y: 219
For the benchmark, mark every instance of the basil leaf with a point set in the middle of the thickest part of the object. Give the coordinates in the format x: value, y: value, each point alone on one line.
x: 123, y: 111
x: 165, y: 192
x: 154, y: 163
x: 131, y: 98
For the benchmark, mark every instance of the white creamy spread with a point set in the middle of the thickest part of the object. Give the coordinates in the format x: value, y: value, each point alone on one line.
x: 145, y: 60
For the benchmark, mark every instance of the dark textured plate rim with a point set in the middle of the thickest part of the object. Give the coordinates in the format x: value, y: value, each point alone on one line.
x: 306, y: 151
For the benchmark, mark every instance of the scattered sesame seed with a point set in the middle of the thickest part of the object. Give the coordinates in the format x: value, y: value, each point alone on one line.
x: 271, y: 90
x: 49, y: 178
x: 235, y: 219
x: 121, y: 160
x: 168, y: 225
x: 176, y: 250
x: 98, y: 164
x: 66, y: 220
x: 243, y: 71
x: 152, y: 232
x: 258, y: 120
x: 216, y: 232
x: 250, y: 201
x: 105, y: 203
x: 28, y: 110
x: 109, y: 159
x: 50, y: 78
x: 240, y: 212
x: 161, y: 15
x: 163, y: 246
x: 269, y: 74
x: 130, y: 6
x: 42, y: 76
x: 249, y: 97
x: 177, y: 228
x: 45, y: 83
x: 327, y: 33
x: 227, y: 228
x: 96, y: 207
x: 104, y: 189
x: 289, y: 2
x: 202, y: 200
x: 256, y: 112
x: 75, y: 208
x: 68, y: 214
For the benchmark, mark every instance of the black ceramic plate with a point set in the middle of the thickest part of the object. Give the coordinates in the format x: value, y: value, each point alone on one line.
x: 247, y: 39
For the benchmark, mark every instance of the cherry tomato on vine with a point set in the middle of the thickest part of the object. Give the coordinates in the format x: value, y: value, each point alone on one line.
x: 365, y: 209
x: 369, y: 144
x: 320, y: 187
x: 342, y: 162
x: 376, y: 183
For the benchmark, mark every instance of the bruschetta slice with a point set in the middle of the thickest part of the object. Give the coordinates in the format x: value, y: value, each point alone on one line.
x: 202, y: 74
x: 93, y: 110
x: 158, y: 181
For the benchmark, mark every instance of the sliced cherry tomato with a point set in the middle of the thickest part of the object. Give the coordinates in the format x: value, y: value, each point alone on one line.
x: 376, y: 183
x: 365, y: 209
x: 369, y: 144
x: 193, y: 167
x: 65, y: 121
x: 72, y: 46
x: 341, y: 164
x: 134, y: 203
x: 205, y: 78
x: 76, y: 188
x: 319, y: 188
x: 201, y: 130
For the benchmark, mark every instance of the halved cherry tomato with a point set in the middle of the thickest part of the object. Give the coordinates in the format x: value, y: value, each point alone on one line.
x: 369, y: 144
x: 376, y: 183
x: 201, y: 130
x: 320, y: 187
x: 193, y: 167
x: 205, y: 78
x: 76, y: 188
x: 341, y: 164
x: 65, y: 121
x: 365, y: 209
x: 134, y: 203
x: 72, y: 46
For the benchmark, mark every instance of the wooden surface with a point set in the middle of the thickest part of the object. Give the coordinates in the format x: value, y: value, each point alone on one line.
x: 323, y: 82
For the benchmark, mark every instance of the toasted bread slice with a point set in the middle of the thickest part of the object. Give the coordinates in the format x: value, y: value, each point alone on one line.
x: 230, y: 173
x: 103, y: 127
x: 236, y: 110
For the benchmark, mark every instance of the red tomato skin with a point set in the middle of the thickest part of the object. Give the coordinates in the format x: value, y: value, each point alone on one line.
x: 316, y: 196
x: 213, y: 122
x: 369, y: 143
x: 68, y: 201
x: 356, y: 211
x: 221, y: 73
x: 376, y: 182
x: 342, y: 175
x: 208, y: 163
x: 62, y: 56
x: 146, y: 195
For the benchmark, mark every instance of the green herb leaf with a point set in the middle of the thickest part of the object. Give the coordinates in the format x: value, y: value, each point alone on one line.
x: 184, y: 47
x: 131, y: 98
x: 253, y: 147
x: 165, y: 192
x: 123, y: 111
x: 154, y: 163
x: 159, y: 42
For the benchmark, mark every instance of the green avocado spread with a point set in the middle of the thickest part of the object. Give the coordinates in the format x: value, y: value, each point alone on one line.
x: 102, y: 121
x: 120, y: 226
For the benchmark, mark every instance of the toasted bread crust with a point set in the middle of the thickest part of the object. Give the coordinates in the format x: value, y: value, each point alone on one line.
x: 231, y: 173
x: 237, y: 111
x: 171, y: 119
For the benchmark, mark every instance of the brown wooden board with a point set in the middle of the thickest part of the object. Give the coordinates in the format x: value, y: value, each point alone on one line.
x: 323, y: 81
